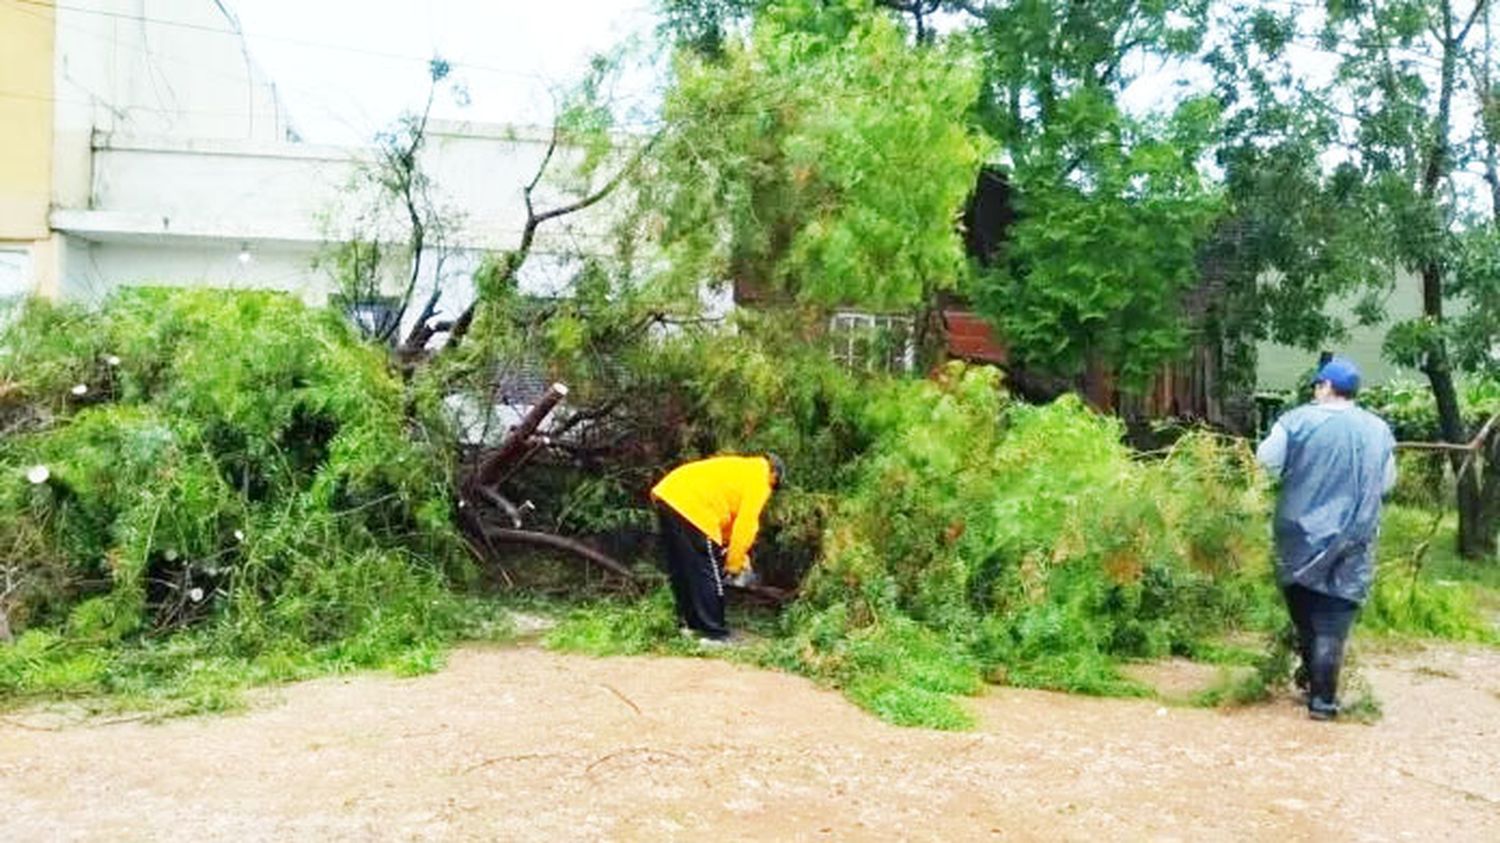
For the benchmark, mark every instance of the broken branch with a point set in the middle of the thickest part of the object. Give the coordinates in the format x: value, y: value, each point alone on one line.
x: 556, y: 542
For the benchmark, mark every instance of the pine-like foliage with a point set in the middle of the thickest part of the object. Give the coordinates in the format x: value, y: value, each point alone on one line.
x: 233, y: 467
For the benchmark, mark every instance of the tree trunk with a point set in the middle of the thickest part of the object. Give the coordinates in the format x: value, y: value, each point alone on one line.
x: 1476, y: 520
x: 1487, y: 515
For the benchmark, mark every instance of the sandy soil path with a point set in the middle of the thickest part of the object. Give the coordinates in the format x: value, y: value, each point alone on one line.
x: 522, y: 744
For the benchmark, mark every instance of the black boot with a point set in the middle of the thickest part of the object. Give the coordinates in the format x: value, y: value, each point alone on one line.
x: 1323, y: 676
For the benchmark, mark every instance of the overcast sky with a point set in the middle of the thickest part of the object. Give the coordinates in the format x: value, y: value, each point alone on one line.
x: 346, y: 68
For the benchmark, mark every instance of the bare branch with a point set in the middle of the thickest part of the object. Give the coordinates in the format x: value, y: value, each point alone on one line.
x: 541, y: 169
x: 422, y: 331
x: 1463, y: 33
x: 557, y: 542
x: 517, y: 258
x: 609, y: 187
x: 583, y: 417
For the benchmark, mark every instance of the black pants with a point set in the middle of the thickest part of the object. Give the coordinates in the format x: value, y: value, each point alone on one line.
x: 1322, y: 623
x: 693, y: 566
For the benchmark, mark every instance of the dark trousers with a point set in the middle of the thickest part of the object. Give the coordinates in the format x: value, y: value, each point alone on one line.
x: 1322, y: 623
x: 693, y: 567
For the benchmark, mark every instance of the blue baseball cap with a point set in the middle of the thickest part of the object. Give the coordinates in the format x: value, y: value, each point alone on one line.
x: 1341, y: 374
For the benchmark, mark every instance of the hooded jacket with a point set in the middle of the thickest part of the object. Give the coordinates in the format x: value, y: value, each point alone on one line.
x: 723, y: 497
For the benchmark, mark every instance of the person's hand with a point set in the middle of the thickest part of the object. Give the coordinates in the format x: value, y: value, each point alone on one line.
x: 745, y: 578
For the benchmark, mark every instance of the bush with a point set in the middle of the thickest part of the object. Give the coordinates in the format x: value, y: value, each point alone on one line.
x: 1413, y: 594
x: 243, y: 492
x: 1028, y: 543
x: 235, y: 465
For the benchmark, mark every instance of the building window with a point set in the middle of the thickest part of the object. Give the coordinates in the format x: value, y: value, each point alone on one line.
x: 873, y: 342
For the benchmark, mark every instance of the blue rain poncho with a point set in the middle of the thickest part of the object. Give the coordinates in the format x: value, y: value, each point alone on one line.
x: 1336, y: 462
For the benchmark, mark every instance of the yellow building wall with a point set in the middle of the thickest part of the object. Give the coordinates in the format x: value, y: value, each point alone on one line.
x: 26, y: 93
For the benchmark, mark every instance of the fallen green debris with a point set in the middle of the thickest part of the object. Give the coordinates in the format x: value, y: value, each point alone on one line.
x: 209, y: 489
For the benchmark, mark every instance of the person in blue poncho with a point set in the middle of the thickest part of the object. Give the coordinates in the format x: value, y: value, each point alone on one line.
x: 1336, y: 462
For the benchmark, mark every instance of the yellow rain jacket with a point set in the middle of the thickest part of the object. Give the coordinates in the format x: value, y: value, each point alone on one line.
x: 723, y: 497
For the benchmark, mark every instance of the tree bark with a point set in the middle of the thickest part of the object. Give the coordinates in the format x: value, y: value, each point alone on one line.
x: 493, y: 467
x: 1476, y: 526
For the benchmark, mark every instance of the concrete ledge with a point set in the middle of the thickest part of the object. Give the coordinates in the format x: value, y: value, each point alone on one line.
x: 140, y: 228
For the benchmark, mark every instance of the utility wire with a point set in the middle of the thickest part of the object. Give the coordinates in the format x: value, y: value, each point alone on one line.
x: 265, y: 84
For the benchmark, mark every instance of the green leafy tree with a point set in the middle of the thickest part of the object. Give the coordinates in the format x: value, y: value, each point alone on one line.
x: 1353, y: 129
x: 1113, y: 208
x: 704, y: 25
x: 820, y: 156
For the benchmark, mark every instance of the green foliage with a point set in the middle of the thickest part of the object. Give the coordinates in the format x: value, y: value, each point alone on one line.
x: 614, y: 629
x: 819, y: 156
x: 1094, y: 277
x: 943, y: 534
x: 237, y: 483
x: 701, y: 25
x: 1412, y: 414
x: 1420, y: 589
x: 1025, y: 544
x: 1113, y: 208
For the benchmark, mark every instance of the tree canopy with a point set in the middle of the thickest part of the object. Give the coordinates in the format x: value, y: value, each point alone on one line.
x: 819, y: 156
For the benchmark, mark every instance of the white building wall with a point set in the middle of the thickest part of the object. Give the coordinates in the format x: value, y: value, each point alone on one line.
x: 258, y: 214
x: 152, y: 67
x: 94, y: 268
x: 176, y: 164
x: 266, y: 187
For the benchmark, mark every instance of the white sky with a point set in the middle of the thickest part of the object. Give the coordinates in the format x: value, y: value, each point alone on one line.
x: 347, y: 68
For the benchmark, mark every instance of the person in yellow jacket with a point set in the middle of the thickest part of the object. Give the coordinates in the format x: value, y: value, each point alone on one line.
x: 710, y: 513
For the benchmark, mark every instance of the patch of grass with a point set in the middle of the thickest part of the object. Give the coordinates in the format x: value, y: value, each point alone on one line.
x: 196, y: 673
x: 895, y: 700
x: 1423, y: 588
x: 1273, y: 672
x: 621, y: 628
x: 1227, y: 654
x: 1233, y: 689
x: 1359, y: 704
x: 1073, y: 672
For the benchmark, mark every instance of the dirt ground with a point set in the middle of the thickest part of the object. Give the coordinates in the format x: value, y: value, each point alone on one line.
x: 522, y: 744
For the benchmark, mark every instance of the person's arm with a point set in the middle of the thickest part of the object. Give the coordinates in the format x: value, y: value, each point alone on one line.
x: 1272, y: 451
x: 746, y: 526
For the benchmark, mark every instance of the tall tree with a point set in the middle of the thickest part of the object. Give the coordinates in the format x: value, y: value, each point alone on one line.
x: 1113, y: 206
x: 818, y: 155
x: 1351, y: 139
